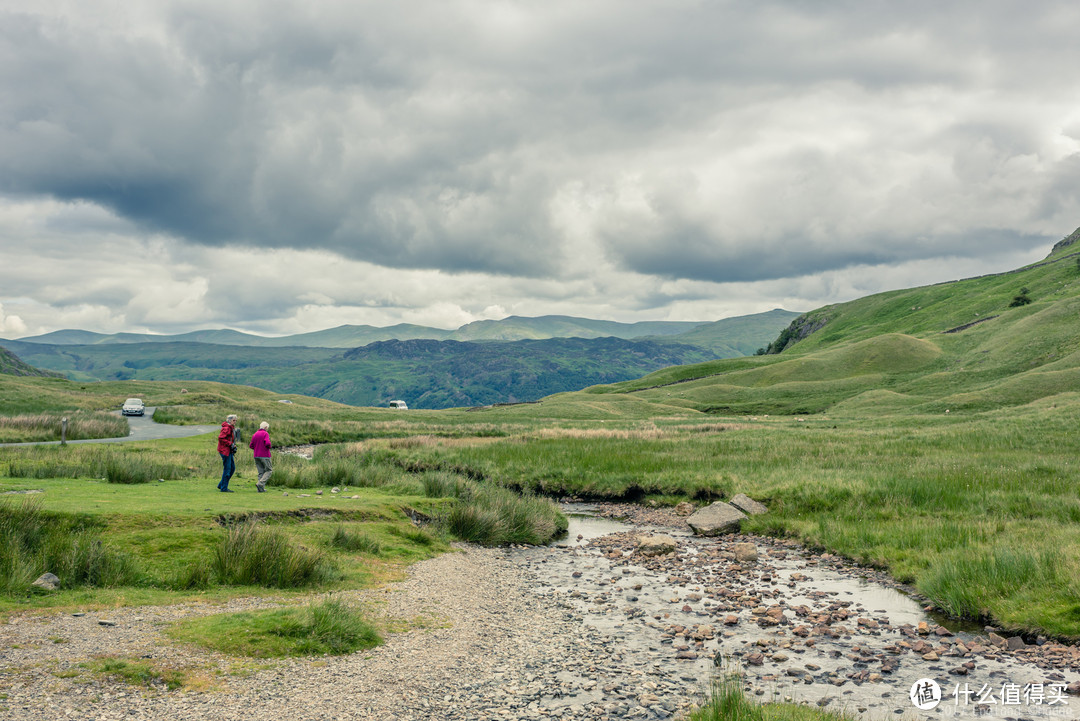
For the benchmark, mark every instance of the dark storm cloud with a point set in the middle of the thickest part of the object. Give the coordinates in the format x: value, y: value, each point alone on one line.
x: 725, y: 141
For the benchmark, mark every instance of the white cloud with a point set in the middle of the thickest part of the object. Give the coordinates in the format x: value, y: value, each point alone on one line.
x: 11, y: 325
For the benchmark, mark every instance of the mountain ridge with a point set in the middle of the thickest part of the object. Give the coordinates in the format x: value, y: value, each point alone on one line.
x: 350, y: 336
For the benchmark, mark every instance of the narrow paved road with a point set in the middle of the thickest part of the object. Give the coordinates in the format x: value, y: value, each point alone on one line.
x: 143, y: 428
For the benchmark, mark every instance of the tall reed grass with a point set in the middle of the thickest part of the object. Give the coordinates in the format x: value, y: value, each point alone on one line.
x: 47, y: 426
x: 116, y: 465
x: 33, y: 542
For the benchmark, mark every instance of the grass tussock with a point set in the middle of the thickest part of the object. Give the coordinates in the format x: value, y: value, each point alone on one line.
x: 105, y: 462
x: 728, y: 702
x: 252, y: 555
x: 647, y: 432
x: 33, y: 542
x: 136, y: 672
x: 330, y: 627
x: 492, y: 515
x: 968, y: 585
x: 355, y: 541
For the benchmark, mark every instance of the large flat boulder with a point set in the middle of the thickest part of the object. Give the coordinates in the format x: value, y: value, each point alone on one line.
x: 748, y: 505
x: 716, y: 519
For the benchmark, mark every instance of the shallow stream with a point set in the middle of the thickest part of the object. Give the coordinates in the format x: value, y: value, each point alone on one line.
x: 833, y: 638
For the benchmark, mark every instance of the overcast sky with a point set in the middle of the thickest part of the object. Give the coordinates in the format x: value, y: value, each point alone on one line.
x: 278, y: 166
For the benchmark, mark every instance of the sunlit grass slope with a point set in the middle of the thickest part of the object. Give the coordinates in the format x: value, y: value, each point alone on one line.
x: 964, y: 345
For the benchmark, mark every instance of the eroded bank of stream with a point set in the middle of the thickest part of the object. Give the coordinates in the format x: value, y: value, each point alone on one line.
x: 800, y: 626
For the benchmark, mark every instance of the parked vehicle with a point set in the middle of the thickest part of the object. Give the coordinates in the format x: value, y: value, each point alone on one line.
x: 133, y: 407
x: 399, y: 404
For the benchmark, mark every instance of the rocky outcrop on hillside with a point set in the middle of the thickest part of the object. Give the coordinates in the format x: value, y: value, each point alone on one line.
x: 12, y: 366
x: 1066, y: 241
x: 801, y: 327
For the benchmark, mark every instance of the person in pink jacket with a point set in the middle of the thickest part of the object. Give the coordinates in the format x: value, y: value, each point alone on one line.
x: 260, y: 444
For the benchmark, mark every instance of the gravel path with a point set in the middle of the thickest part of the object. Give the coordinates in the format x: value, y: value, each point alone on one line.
x: 486, y: 648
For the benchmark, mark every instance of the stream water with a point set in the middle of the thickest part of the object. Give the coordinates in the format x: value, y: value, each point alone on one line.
x: 677, y: 621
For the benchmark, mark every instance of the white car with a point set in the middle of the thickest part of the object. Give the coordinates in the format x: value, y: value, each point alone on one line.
x: 399, y: 404
x: 133, y: 407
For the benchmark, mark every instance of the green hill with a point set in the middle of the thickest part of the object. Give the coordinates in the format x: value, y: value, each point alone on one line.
x: 964, y: 345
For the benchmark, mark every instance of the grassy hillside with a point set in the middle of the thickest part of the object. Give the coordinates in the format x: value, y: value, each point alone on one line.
x: 961, y: 346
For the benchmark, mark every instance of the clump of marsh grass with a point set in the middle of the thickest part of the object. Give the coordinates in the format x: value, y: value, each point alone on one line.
x: 33, y: 542
x: 257, y: 556
x: 130, y: 469
x: 967, y: 586
x: 728, y: 702
x: 348, y: 540
x: 492, y: 515
x: 333, y: 627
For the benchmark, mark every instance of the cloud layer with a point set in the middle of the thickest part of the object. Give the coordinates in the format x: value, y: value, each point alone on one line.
x: 272, y: 165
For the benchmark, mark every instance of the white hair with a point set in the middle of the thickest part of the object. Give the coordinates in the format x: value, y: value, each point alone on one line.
x: 263, y: 426
x: 230, y: 418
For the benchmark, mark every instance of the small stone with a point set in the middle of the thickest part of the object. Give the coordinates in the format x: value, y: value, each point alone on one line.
x: 104, y: 622
x: 47, y: 581
x: 745, y: 552
x: 658, y: 545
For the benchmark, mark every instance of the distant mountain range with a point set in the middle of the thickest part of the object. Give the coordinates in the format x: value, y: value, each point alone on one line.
x: 731, y: 333
x: 516, y: 359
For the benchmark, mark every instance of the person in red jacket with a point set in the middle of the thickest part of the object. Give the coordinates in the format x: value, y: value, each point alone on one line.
x: 226, y: 446
x: 260, y: 444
